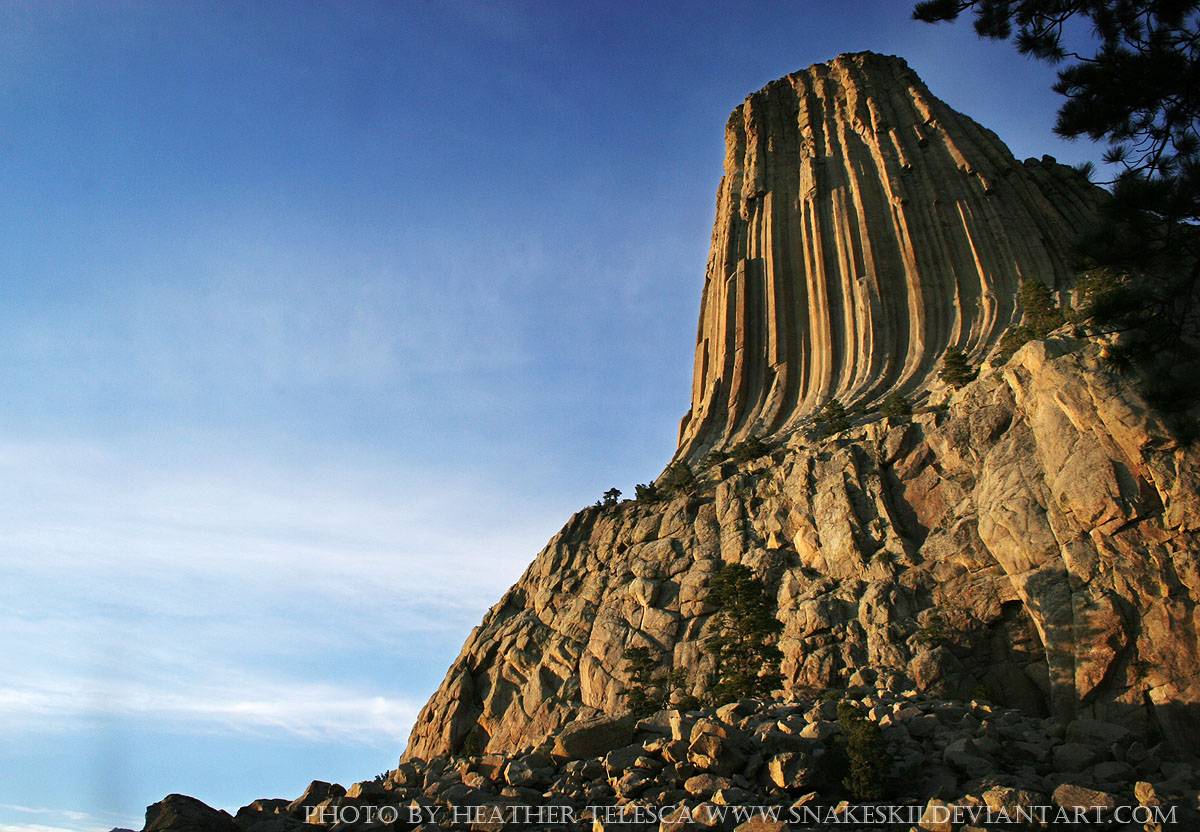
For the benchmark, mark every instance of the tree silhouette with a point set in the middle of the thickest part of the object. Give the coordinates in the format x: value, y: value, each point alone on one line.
x: 652, y: 686
x: 678, y: 477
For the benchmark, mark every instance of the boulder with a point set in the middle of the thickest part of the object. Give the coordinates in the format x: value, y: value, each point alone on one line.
x: 791, y: 770
x: 594, y: 737
x: 1070, y: 796
x: 705, y: 784
x: 1075, y: 756
x: 317, y: 791
x: 180, y: 813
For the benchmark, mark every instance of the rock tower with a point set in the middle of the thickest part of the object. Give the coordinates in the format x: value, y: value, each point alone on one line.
x: 1037, y: 539
x: 862, y: 228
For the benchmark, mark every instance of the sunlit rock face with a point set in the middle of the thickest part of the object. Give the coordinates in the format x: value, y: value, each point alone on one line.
x: 1037, y: 540
x: 862, y: 228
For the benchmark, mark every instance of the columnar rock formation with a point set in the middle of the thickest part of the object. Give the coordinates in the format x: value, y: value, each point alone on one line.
x: 862, y: 228
x: 1036, y: 542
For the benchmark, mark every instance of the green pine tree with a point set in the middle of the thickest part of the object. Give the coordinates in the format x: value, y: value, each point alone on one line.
x: 865, y: 750
x: 677, y: 478
x: 646, y: 493
x: 651, y: 686
x: 1042, y: 315
x: 895, y: 405
x: 744, y: 632
x: 830, y: 419
x: 1040, y: 308
x: 956, y: 370
x: 750, y: 448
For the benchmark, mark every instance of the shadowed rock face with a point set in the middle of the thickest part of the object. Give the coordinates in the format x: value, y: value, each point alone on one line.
x: 862, y: 228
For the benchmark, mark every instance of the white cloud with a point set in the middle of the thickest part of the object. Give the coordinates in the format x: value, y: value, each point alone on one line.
x: 293, y: 524
x: 262, y: 706
x: 66, y: 820
x: 220, y: 600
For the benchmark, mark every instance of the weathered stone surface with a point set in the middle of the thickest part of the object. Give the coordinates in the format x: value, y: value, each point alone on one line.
x: 1071, y: 796
x: 862, y: 228
x: 790, y: 770
x: 937, y: 816
x: 761, y: 824
x: 317, y: 791
x: 1074, y: 756
x: 593, y: 737
x: 255, y: 814
x: 1009, y: 800
x: 180, y: 813
x: 366, y: 790
x: 1009, y: 590
x: 963, y: 755
x: 1032, y: 541
x: 706, y: 784
x: 637, y: 777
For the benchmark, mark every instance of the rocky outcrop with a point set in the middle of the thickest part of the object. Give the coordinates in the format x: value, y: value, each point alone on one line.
x: 180, y: 813
x: 1036, y: 541
x: 1034, y: 538
x: 862, y: 228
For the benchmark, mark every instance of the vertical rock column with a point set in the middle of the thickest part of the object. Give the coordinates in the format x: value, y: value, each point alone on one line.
x: 863, y: 227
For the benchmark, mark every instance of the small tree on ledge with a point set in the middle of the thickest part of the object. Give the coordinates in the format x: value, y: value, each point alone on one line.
x: 830, y: 419
x: 646, y: 493
x: 678, y: 477
x: 895, y: 405
x: 956, y: 370
x: 1042, y: 316
x: 750, y: 448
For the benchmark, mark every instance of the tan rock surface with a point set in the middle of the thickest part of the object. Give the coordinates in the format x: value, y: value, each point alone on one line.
x: 1036, y: 543
x: 862, y: 228
x: 954, y: 555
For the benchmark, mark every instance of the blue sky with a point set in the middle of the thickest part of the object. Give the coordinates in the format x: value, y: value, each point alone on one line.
x: 317, y: 320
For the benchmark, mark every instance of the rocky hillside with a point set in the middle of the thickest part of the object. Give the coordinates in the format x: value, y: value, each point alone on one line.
x: 862, y: 227
x: 1035, y: 541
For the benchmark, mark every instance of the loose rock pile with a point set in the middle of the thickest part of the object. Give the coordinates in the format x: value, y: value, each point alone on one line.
x: 692, y: 770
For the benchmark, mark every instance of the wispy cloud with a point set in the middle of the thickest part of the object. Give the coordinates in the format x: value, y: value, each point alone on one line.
x: 266, y: 706
x: 253, y: 599
x: 262, y: 316
x: 105, y: 509
x: 39, y: 827
x: 65, y: 820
